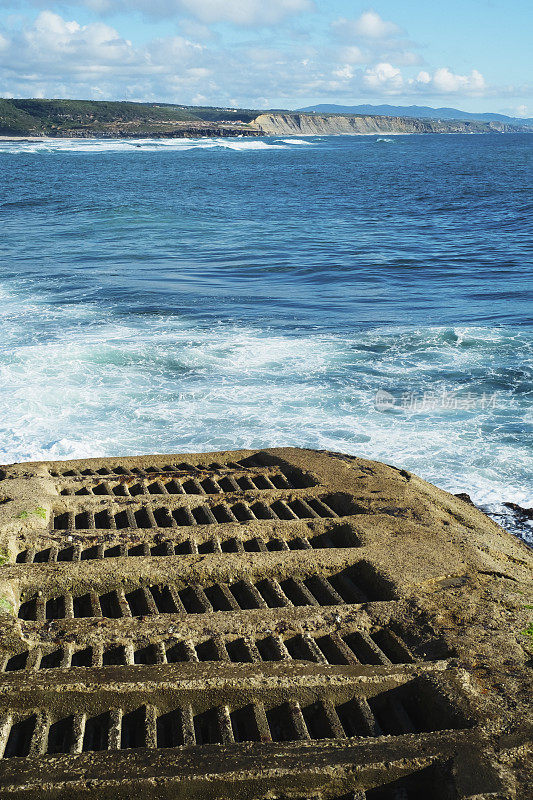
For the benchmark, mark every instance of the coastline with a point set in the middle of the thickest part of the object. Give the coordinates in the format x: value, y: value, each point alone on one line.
x: 255, y: 134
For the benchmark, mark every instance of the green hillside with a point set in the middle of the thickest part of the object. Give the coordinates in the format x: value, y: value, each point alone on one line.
x: 86, y: 117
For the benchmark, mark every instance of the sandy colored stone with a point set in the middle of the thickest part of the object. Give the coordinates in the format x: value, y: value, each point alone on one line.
x: 431, y: 630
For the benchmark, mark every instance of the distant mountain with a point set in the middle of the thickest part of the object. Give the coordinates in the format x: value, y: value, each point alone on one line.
x: 422, y: 112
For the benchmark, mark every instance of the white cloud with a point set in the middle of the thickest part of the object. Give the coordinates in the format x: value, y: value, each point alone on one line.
x: 353, y: 55
x: 57, y: 57
x: 346, y: 72
x: 383, y: 78
x: 369, y: 26
x: 423, y: 77
x: 445, y: 81
x: 240, y: 12
x: 246, y: 13
x: 373, y: 40
x: 404, y: 58
x: 51, y: 40
x: 372, y: 26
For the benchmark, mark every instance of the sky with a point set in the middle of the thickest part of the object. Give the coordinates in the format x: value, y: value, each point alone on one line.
x: 475, y: 55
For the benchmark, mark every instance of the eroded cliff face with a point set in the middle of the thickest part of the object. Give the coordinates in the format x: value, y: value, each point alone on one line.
x: 328, y: 124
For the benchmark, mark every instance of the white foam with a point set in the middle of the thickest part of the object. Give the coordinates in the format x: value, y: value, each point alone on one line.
x: 75, y: 381
x: 295, y: 141
x: 250, y: 144
x: 50, y: 146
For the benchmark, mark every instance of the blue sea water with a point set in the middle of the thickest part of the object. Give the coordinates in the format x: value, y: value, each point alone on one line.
x: 358, y: 294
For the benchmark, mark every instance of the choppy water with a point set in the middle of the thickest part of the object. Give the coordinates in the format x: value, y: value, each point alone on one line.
x: 348, y: 293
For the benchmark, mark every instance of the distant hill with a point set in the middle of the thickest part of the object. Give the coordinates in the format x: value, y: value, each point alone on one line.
x: 35, y: 117
x: 421, y: 112
x: 89, y: 118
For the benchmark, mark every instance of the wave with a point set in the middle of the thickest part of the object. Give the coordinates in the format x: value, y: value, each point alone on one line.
x: 249, y: 144
x: 50, y: 146
x: 80, y: 381
x: 295, y: 141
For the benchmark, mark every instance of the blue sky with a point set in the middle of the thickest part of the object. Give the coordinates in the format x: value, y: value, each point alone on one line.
x: 470, y: 54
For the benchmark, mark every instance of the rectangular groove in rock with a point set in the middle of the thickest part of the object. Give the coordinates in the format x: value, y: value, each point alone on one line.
x: 299, y: 648
x: 415, y: 707
x: 148, y: 517
x: 16, y: 662
x: 82, y: 606
x: 239, y: 651
x: 354, y: 720
x: 169, y: 729
x: 244, y: 725
x: 60, y: 736
x: 138, y: 603
x: 55, y: 608
x: 52, y: 660
x: 114, y: 656
x: 110, y: 605
x: 246, y: 595
x: 42, y: 556
x: 133, y: 729
x: 365, y: 649
x: 82, y: 658
x: 298, y: 593
x: 281, y: 723
x: 411, y: 708
x: 318, y: 722
x: 335, y: 649
x: 20, y: 736
x: 96, y: 735
x: 269, y: 649
x: 207, y: 729
x: 390, y: 644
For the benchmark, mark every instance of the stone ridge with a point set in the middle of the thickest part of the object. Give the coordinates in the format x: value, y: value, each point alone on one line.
x: 256, y: 624
x: 285, y: 124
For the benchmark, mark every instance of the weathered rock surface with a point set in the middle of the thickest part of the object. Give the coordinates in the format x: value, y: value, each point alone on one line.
x: 328, y: 124
x: 258, y: 624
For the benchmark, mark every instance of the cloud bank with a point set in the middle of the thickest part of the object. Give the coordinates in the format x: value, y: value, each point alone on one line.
x: 367, y: 57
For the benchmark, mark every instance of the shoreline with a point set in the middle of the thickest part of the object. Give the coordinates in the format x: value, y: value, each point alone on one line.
x: 258, y: 134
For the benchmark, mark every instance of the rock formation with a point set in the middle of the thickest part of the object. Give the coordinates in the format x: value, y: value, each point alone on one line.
x: 285, y: 124
x: 257, y: 624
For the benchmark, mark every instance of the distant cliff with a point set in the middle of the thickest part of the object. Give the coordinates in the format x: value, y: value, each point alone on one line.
x: 110, y: 119
x: 326, y: 124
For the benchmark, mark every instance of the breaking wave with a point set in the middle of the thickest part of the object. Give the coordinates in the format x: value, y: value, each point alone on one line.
x: 88, y: 383
x: 51, y: 146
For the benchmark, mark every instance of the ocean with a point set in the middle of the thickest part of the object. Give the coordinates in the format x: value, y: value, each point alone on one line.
x: 362, y: 294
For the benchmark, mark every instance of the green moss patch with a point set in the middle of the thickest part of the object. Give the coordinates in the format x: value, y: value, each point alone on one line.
x: 6, y: 606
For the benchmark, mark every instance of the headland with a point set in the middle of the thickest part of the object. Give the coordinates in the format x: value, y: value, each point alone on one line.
x: 106, y: 119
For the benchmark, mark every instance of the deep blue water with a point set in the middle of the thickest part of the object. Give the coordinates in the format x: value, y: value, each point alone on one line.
x: 181, y: 296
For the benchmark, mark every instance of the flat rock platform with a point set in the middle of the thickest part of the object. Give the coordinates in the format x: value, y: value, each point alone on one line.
x: 277, y: 624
